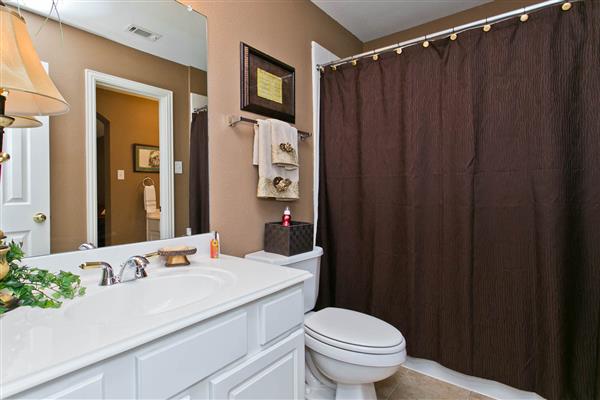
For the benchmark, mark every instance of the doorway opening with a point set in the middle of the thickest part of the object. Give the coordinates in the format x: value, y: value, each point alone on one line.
x: 129, y: 159
x: 103, y: 176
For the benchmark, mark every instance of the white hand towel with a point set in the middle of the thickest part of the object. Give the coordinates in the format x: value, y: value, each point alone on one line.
x: 150, y: 199
x: 284, y: 144
x: 273, y: 182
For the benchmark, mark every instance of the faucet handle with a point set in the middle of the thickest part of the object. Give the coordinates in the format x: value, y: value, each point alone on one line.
x: 139, y: 263
x: 86, y: 246
x: 108, y: 276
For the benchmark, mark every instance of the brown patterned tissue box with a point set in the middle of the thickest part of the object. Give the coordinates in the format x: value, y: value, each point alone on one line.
x: 288, y: 240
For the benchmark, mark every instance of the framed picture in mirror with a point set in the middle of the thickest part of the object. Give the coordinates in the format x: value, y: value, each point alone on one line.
x: 146, y: 158
x: 267, y: 85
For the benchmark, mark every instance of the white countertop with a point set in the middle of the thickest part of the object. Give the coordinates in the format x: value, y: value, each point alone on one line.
x: 37, y: 345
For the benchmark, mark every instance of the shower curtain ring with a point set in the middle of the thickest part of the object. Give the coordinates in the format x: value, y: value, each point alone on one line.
x: 487, y: 27
x: 426, y: 42
x: 566, y: 6
x: 453, y: 36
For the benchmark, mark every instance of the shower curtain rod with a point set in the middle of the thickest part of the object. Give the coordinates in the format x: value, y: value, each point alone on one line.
x: 449, y: 32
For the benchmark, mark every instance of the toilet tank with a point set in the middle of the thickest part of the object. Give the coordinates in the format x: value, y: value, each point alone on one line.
x: 310, y: 261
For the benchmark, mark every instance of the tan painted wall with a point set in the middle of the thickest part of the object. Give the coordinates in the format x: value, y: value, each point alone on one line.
x: 284, y: 30
x: 473, y: 14
x: 68, y: 60
x: 132, y: 120
x: 198, y: 81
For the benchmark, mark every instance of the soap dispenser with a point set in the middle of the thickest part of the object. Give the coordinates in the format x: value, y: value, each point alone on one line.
x: 286, y: 219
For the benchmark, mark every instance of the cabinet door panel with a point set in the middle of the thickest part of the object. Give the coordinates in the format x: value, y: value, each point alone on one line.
x: 275, y: 382
x: 91, y: 388
x: 108, y: 379
x: 186, y: 359
x: 276, y: 373
x: 281, y: 314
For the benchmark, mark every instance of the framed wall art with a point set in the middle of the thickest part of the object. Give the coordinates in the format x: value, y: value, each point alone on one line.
x: 267, y: 85
x: 146, y: 158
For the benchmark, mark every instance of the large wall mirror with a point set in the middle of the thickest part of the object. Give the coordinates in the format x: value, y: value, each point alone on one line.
x: 129, y: 161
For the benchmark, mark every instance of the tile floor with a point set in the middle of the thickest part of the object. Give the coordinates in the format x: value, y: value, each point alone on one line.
x: 407, y: 384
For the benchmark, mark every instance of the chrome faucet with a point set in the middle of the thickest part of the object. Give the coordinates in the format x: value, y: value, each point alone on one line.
x: 136, y: 264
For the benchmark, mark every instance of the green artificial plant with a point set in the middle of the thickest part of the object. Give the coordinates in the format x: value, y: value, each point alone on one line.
x: 34, y: 287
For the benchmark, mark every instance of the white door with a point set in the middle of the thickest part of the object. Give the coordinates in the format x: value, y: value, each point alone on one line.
x: 25, y: 187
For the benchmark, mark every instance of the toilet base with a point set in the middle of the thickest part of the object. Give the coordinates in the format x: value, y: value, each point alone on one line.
x: 341, y: 392
x: 319, y: 387
x: 366, y: 391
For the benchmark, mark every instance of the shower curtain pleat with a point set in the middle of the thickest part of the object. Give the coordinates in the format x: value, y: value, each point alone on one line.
x: 460, y: 199
x: 199, y: 210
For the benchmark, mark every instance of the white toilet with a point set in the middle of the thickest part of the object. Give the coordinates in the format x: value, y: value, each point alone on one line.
x: 347, y: 351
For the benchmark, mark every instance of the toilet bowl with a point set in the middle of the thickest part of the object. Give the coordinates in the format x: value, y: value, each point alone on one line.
x: 346, y: 351
x: 353, y: 350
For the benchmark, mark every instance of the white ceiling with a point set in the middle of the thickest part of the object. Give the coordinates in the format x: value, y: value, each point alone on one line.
x: 372, y: 19
x: 183, y: 32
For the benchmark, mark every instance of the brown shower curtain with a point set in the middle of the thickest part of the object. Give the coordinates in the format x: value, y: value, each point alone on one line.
x: 199, y: 216
x: 460, y: 199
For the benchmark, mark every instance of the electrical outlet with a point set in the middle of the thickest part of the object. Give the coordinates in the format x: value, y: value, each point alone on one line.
x: 121, y: 174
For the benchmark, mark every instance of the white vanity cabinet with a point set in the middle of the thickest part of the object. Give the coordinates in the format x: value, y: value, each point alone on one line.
x: 275, y: 373
x: 254, y: 351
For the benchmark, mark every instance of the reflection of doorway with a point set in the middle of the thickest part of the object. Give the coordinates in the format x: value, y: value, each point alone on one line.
x: 102, y: 178
x: 165, y: 191
x: 130, y: 208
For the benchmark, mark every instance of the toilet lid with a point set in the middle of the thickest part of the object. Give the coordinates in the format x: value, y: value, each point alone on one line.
x: 353, y: 328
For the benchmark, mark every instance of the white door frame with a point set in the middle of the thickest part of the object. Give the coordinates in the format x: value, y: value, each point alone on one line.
x: 93, y: 79
x: 320, y: 55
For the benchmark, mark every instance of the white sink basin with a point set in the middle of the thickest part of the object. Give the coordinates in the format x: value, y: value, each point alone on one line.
x: 143, y: 297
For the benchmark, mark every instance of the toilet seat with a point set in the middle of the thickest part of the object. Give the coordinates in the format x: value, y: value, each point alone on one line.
x: 353, y: 357
x: 354, y: 337
x: 353, y: 347
x: 353, y: 330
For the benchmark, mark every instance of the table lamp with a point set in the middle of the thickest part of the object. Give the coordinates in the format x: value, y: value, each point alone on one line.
x: 26, y: 90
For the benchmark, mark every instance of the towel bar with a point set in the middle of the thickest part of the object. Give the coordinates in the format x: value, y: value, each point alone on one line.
x: 236, y: 119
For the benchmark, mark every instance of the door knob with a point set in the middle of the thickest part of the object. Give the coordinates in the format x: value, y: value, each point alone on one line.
x: 40, y: 218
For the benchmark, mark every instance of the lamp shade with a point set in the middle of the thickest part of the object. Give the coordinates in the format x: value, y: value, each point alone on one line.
x: 26, y: 122
x: 30, y: 89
